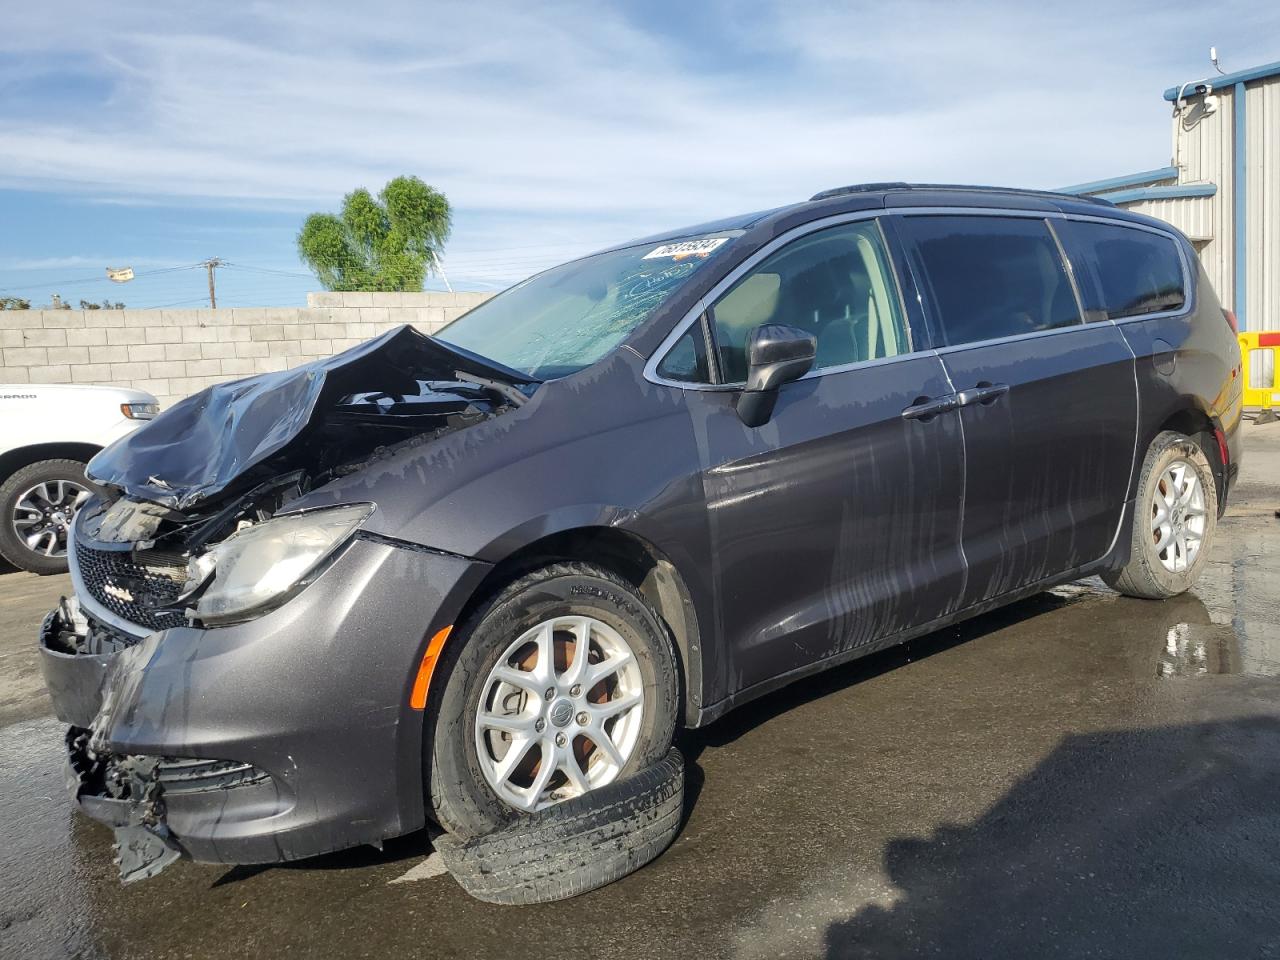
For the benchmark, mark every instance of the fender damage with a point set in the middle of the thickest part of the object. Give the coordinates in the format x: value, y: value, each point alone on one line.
x: 175, y: 741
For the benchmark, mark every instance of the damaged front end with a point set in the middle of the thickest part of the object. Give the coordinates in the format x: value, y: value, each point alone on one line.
x: 325, y: 417
x: 125, y: 793
x: 194, y: 489
x: 196, y: 529
x: 237, y: 455
x: 93, y: 674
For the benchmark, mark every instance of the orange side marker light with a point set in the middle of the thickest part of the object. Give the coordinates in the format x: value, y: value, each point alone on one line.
x: 418, y: 699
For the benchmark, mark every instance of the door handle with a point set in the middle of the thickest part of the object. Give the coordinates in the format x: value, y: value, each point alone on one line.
x: 984, y: 393
x: 925, y: 409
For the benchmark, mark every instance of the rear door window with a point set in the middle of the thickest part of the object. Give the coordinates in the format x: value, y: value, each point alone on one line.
x: 1137, y: 271
x: 835, y: 284
x: 992, y: 277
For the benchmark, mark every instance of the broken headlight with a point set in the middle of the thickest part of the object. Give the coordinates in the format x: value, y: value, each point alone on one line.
x: 260, y: 567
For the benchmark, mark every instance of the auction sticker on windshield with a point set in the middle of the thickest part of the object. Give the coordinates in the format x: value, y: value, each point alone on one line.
x: 686, y: 248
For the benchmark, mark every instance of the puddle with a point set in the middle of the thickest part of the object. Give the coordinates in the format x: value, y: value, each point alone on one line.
x: 1227, y: 625
x: 1196, y: 650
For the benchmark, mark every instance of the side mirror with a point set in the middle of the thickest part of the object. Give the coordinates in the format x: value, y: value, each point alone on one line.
x: 776, y: 354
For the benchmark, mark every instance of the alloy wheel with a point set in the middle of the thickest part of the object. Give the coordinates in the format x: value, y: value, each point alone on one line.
x: 1178, y: 516
x: 559, y: 713
x: 42, y: 516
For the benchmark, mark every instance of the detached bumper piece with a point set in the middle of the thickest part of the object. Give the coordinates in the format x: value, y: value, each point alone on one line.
x: 125, y: 794
x: 131, y: 794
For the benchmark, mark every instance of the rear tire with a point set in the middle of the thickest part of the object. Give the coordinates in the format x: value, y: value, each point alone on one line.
x: 20, y: 506
x: 463, y: 762
x: 1175, y: 516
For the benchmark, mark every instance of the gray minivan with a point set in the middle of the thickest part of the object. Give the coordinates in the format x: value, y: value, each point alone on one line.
x: 467, y: 577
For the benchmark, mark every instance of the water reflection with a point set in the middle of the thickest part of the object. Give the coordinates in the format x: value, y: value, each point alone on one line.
x: 1198, y: 650
x: 1187, y: 652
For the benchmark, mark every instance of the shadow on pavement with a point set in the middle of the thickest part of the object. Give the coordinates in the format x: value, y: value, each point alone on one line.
x: 413, y: 846
x: 1160, y: 843
x: 738, y: 721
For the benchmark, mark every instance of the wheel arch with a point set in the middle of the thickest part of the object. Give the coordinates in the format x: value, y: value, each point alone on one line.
x: 636, y: 560
x: 1192, y: 421
x: 11, y: 461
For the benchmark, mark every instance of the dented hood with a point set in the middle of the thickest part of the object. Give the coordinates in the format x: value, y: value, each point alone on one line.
x: 200, y: 446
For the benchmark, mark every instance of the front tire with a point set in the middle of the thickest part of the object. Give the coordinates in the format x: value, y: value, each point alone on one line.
x: 37, y: 504
x: 1174, y: 519
x: 521, y: 722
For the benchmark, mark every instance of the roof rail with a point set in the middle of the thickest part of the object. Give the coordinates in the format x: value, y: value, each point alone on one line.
x: 1021, y: 191
x: 859, y: 188
x: 872, y: 187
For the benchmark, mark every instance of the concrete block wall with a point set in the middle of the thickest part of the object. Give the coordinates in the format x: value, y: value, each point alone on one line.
x: 174, y: 353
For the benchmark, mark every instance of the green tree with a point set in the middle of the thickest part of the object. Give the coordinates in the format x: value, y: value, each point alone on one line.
x: 388, y: 243
x: 14, y: 303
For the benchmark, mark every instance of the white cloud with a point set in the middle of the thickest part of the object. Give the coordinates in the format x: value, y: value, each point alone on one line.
x: 561, y: 114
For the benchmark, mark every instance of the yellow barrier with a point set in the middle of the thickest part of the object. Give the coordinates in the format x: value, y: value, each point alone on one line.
x: 1258, y: 350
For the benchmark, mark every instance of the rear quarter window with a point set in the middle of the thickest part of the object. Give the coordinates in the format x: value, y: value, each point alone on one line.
x: 1136, y: 271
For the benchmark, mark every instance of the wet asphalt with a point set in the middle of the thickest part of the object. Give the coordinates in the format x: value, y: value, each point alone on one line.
x: 1078, y: 775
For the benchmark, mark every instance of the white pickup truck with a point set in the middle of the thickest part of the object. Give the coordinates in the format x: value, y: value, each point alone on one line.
x: 48, y: 432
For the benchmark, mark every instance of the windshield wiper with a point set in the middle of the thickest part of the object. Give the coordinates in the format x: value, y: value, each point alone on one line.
x: 497, y: 386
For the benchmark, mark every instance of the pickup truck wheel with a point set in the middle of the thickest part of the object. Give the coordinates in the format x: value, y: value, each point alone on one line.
x: 37, y: 504
x: 1174, y: 519
x: 562, y: 683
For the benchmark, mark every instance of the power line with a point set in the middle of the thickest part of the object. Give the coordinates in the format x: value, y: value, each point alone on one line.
x: 454, y: 264
x: 487, y: 261
x: 282, y: 273
x: 491, y: 272
x: 487, y: 258
x: 70, y: 283
x: 176, y: 303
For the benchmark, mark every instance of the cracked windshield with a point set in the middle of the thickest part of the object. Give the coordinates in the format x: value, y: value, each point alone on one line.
x: 560, y: 321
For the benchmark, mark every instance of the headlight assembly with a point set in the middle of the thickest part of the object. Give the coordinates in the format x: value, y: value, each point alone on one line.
x: 260, y: 567
x: 140, y: 411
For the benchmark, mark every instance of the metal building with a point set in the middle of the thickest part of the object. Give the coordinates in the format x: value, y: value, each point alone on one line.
x: 1222, y: 188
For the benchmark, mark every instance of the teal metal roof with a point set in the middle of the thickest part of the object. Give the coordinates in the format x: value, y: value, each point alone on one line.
x: 1128, y: 180
x: 1171, y: 192
x: 1240, y: 76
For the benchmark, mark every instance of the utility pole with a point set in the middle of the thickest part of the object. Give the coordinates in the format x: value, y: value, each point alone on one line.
x: 212, y: 264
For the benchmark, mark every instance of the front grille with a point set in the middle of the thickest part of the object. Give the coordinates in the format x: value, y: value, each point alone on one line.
x: 133, y: 587
x: 102, y: 638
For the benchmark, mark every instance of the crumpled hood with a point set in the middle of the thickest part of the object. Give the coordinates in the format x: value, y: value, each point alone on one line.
x: 200, y: 446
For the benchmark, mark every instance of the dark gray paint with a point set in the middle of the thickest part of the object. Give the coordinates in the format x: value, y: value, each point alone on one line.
x: 836, y: 523
x: 837, y: 528
x: 315, y: 693
x: 1048, y: 463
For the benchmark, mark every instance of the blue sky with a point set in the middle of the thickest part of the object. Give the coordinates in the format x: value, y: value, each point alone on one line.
x: 155, y: 136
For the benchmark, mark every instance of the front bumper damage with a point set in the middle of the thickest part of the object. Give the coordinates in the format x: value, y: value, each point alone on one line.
x: 125, y: 794
x: 285, y: 737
